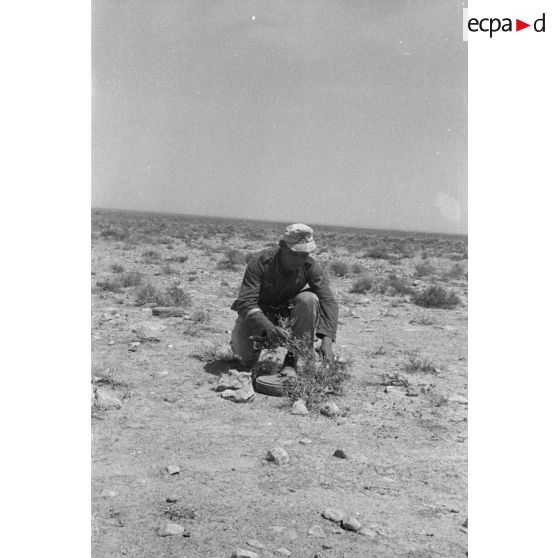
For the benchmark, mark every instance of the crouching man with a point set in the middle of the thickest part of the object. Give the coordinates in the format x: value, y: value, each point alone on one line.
x: 285, y: 282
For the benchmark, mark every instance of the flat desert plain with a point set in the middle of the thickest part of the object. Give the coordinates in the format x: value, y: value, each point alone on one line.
x: 170, y: 455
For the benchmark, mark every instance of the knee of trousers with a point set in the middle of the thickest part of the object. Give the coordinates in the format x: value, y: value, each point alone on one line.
x: 306, y: 299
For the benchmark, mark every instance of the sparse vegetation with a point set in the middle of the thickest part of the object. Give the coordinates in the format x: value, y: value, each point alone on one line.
x: 436, y: 296
x: 173, y: 296
x: 339, y: 268
x: 377, y: 254
x: 151, y: 257
x: 232, y: 260
x: 424, y: 269
x: 363, y: 284
x: 117, y: 268
x: 393, y: 285
x: 416, y: 363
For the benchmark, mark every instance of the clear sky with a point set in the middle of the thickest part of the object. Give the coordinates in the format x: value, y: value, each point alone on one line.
x: 342, y: 112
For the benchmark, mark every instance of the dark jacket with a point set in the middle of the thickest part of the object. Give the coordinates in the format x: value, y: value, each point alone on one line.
x: 268, y: 286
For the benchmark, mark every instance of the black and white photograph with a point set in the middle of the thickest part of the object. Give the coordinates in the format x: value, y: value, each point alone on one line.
x: 279, y: 275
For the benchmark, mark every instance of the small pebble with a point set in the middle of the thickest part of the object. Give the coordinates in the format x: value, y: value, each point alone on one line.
x: 241, y: 553
x: 277, y: 455
x: 168, y: 529
x: 333, y: 514
x: 282, y: 551
x: 340, y: 454
x: 173, y: 469
x: 172, y: 499
x: 254, y: 543
x: 351, y: 523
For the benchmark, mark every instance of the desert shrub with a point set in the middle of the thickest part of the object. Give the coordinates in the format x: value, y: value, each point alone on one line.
x: 393, y: 379
x: 423, y: 269
x: 131, y: 279
x: 200, y: 315
x: 114, y: 234
x: 456, y: 272
x: 151, y: 256
x: 357, y: 268
x: 117, y: 268
x: 233, y: 259
x: 393, y: 285
x: 339, y: 268
x: 111, y: 285
x: 167, y: 269
x: 178, y: 259
x: 173, y: 296
x: 416, y: 363
x: 436, y: 296
x: 377, y: 254
x: 362, y: 284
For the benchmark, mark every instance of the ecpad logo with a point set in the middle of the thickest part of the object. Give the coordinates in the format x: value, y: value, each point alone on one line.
x: 493, y: 25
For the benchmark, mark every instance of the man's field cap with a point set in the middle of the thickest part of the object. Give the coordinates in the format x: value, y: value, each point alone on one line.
x: 299, y: 238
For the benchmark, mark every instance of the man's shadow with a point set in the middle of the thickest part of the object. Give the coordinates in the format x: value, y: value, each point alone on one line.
x: 218, y: 367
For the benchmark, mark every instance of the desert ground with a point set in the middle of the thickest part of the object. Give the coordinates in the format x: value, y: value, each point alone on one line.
x: 168, y: 449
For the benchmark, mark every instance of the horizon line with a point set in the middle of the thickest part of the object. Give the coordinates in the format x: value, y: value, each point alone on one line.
x: 353, y: 227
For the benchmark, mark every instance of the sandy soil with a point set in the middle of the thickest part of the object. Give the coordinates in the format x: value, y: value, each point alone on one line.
x: 406, y: 472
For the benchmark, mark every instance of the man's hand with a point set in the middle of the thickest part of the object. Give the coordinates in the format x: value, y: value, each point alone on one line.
x: 326, y: 350
x: 276, y: 335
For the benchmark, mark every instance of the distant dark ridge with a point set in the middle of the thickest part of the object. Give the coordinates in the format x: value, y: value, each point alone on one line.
x: 213, y: 218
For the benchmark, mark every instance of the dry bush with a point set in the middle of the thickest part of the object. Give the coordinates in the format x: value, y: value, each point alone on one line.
x: 393, y: 285
x: 131, y: 279
x: 167, y: 269
x: 362, y: 284
x: 357, y: 268
x: 200, y: 315
x: 178, y: 259
x: 424, y: 269
x: 339, y: 268
x: 417, y: 363
x: 151, y: 257
x: 116, y: 268
x: 457, y: 271
x: 114, y: 234
x: 112, y: 285
x: 232, y: 260
x: 393, y: 379
x: 377, y: 254
x: 173, y: 296
x: 436, y: 296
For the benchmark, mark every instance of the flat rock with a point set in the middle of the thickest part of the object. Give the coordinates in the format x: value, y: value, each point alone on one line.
x: 244, y: 395
x: 255, y: 543
x: 351, y: 523
x: 106, y: 400
x: 168, y: 311
x: 168, y: 529
x: 317, y: 531
x: 459, y: 399
x: 299, y: 408
x: 329, y: 409
x: 172, y: 498
x: 340, y: 454
x: 229, y: 381
x: 282, y: 551
x: 333, y: 514
x: 242, y: 553
x: 173, y: 469
x: 277, y: 455
x: 370, y: 533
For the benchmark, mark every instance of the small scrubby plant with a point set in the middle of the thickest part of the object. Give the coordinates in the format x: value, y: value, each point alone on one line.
x: 436, y: 296
x: 232, y: 260
x: 424, y: 269
x: 151, y: 256
x: 173, y: 296
x: 416, y: 363
x: 339, y: 268
x: 362, y: 284
x: 377, y: 254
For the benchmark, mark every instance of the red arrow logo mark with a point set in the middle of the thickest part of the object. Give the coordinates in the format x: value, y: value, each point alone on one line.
x: 519, y: 25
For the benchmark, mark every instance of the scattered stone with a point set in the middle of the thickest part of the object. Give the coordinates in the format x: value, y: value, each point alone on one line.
x: 465, y: 523
x: 168, y: 529
x: 334, y: 514
x: 299, y: 408
x: 109, y: 493
x: 329, y: 409
x: 172, y: 499
x: 305, y: 442
x: 340, y: 454
x: 277, y: 455
x: 173, y: 469
x: 412, y: 391
x: 228, y: 394
x: 351, y: 523
x: 327, y: 546
x: 317, y: 531
x: 133, y: 346
x: 244, y: 395
x: 241, y: 553
x: 459, y: 399
x: 105, y: 400
x: 224, y: 353
x: 254, y: 543
x: 282, y: 551
x: 231, y: 380
x: 163, y: 373
x: 168, y: 311
x: 370, y: 533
